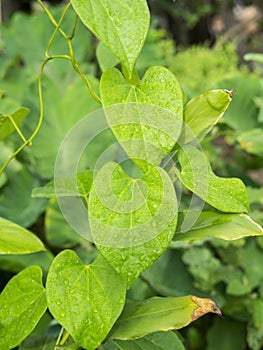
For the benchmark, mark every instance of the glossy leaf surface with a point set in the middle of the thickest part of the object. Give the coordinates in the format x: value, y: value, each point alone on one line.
x: 85, y: 299
x: 15, y: 239
x: 122, y: 25
x: 22, y: 303
x: 146, y: 118
x: 218, y: 225
x: 160, y: 314
x: 132, y: 220
x: 225, y: 194
x: 204, y: 111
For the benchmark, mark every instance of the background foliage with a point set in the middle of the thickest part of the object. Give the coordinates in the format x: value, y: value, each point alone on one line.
x: 228, y: 272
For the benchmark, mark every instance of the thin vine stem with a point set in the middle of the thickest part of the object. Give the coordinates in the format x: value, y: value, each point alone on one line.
x: 59, y: 338
x: 68, y: 38
x: 70, y: 57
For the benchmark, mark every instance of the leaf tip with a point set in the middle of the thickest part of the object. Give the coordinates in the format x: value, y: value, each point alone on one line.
x: 230, y: 92
x: 205, y: 305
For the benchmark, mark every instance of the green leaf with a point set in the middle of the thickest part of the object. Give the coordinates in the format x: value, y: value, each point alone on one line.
x: 251, y: 141
x: 160, y: 314
x: 15, y: 239
x: 58, y: 232
x: 227, y: 195
x: 16, y: 203
x: 168, y: 281
x: 22, y: 304
x: 156, y: 341
x: 132, y: 220
x: 256, y: 57
x: 216, y: 225
x: 146, y: 118
x: 66, y: 186
x: 61, y: 115
x: 85, y: 299
x: 226, y: 334
x: 121, y: 25
x: 105, y: 57
x: 7, y: 121
x: 246, y: 88
x: 204, y: 111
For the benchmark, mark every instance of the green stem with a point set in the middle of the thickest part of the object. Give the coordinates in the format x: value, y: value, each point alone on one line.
x: 64, y: 338
x: 59, y: 337
x: 71, y: 51
x: 52, y: 19
x: 17, y: 128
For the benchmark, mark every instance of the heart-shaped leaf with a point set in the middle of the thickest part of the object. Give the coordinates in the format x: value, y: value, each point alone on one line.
x: 22, y: 304
x: 146, y: 118
x: 132, y: 220
x: 227, y: 195
x: 85, y: 299
x: 160, y: 314
x: 122, y: 25
x: 15, y: 239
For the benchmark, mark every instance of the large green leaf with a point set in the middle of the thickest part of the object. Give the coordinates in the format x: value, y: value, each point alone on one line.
x: 85, y: 299
x: 122, y: 25
x: 132, y: 220
x: 160, y: 314
x: 146, y: 118
x: 227, y: 195
x: 22, y: 304
x: 217, y: 225
x: 155, y: 341
x: 15, y: 239
x: 204, y: 111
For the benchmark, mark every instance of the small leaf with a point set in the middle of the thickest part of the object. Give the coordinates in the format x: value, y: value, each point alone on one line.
x: 132, y: 220
x: 160, y: 314
x: 6, y: 124
x: 155, y: 341
x: 15, y: 239
x: 68, y: 186
x: 217, y: 225
x: 122, y: 25
x: 85, y: 299
x: 146, y: 118
x: 22, y: 304
x: 202, y: 112
x: 227, y: 195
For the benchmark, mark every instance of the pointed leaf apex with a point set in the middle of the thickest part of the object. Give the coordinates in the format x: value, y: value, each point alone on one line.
x: 205, y: 305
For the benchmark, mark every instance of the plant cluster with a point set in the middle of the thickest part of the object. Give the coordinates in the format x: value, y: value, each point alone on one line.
x: 123, y: 175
